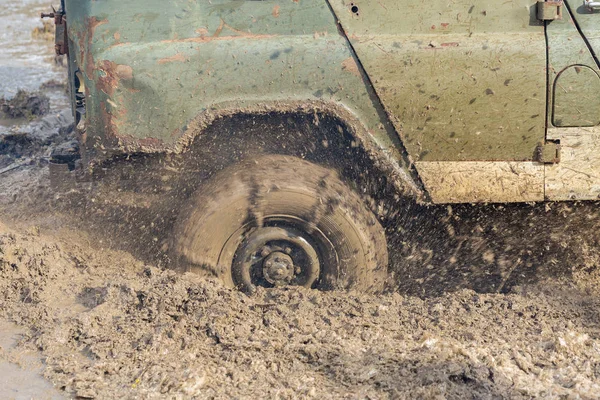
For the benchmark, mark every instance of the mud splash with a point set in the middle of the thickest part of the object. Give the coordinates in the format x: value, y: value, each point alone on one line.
x: 110, y: 326
x: 25, y: 105
x: 28, y: 59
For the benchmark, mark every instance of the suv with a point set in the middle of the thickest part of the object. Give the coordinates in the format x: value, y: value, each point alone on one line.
x: 282, y: 125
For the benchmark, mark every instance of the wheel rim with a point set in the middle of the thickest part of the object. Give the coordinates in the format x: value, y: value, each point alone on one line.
x: 281, y: 253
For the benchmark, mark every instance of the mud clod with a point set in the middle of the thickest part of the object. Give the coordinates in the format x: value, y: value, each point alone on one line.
x: 25, y: 105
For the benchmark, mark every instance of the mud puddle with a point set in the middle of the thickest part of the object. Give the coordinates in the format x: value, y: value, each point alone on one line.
x: 21, y: 370
x: 28, y: 60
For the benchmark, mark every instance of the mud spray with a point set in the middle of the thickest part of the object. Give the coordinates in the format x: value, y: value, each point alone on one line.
x: 485, y: 302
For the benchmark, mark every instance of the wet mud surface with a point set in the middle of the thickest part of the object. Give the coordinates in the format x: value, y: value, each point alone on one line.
x: 482, y: 302
x: 109, y: 326
x: 21, y: 368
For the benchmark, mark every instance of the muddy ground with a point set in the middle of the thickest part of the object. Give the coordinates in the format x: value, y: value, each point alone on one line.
x: 108, y: 326
x: 483, y: 302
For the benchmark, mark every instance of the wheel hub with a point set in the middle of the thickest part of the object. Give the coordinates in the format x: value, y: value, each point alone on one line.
x: 278, y: 268
x: 276, y: 256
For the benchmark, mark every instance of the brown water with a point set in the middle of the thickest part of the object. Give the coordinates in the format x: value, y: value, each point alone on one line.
x: 20, y: 370
x: 26, y: 62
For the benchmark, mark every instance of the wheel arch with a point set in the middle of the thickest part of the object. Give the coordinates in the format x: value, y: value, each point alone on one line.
x: 323, y: 132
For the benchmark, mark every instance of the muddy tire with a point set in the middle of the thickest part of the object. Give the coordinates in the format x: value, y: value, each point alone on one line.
x: 278, y: 221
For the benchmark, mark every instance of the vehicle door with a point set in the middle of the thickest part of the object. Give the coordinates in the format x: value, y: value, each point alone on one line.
x: 465, y: 84
x: 574, y: 111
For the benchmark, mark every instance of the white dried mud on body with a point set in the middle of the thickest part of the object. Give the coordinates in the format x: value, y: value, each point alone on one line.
x: 109, y: 326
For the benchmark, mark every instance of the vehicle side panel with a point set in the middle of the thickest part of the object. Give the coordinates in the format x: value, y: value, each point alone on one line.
x: 153, y: 69
x: 589, y: 23
x: 465, y: 80
x: 574, y: 79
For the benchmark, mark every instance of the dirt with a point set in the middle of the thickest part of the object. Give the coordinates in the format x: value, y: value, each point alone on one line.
x: 483, y: 302
x: 111, y: 326
x: 25, y: 105
x: 44, y: 32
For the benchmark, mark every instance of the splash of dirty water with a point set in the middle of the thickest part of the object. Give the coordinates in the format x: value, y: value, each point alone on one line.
x: 20, y: 370
x: 26, y: 62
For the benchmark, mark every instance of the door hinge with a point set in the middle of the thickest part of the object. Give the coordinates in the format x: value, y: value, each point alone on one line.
x: 548, y: 153
x: 60, y: 33
x: 549, y: 10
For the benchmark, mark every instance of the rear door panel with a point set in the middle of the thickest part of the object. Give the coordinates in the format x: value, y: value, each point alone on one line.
x: 574, y: 88
x: 465, y: 80
x: 588, y: 22
x: 465, y: 84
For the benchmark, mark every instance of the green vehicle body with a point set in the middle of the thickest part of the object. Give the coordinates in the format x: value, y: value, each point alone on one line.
x: 464, y: 101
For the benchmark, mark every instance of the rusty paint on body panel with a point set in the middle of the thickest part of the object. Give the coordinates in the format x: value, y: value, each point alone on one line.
x: 187, y: 58
x: 462, y: 86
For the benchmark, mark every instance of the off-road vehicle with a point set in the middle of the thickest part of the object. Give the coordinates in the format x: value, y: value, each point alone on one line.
x: 282, y: 123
